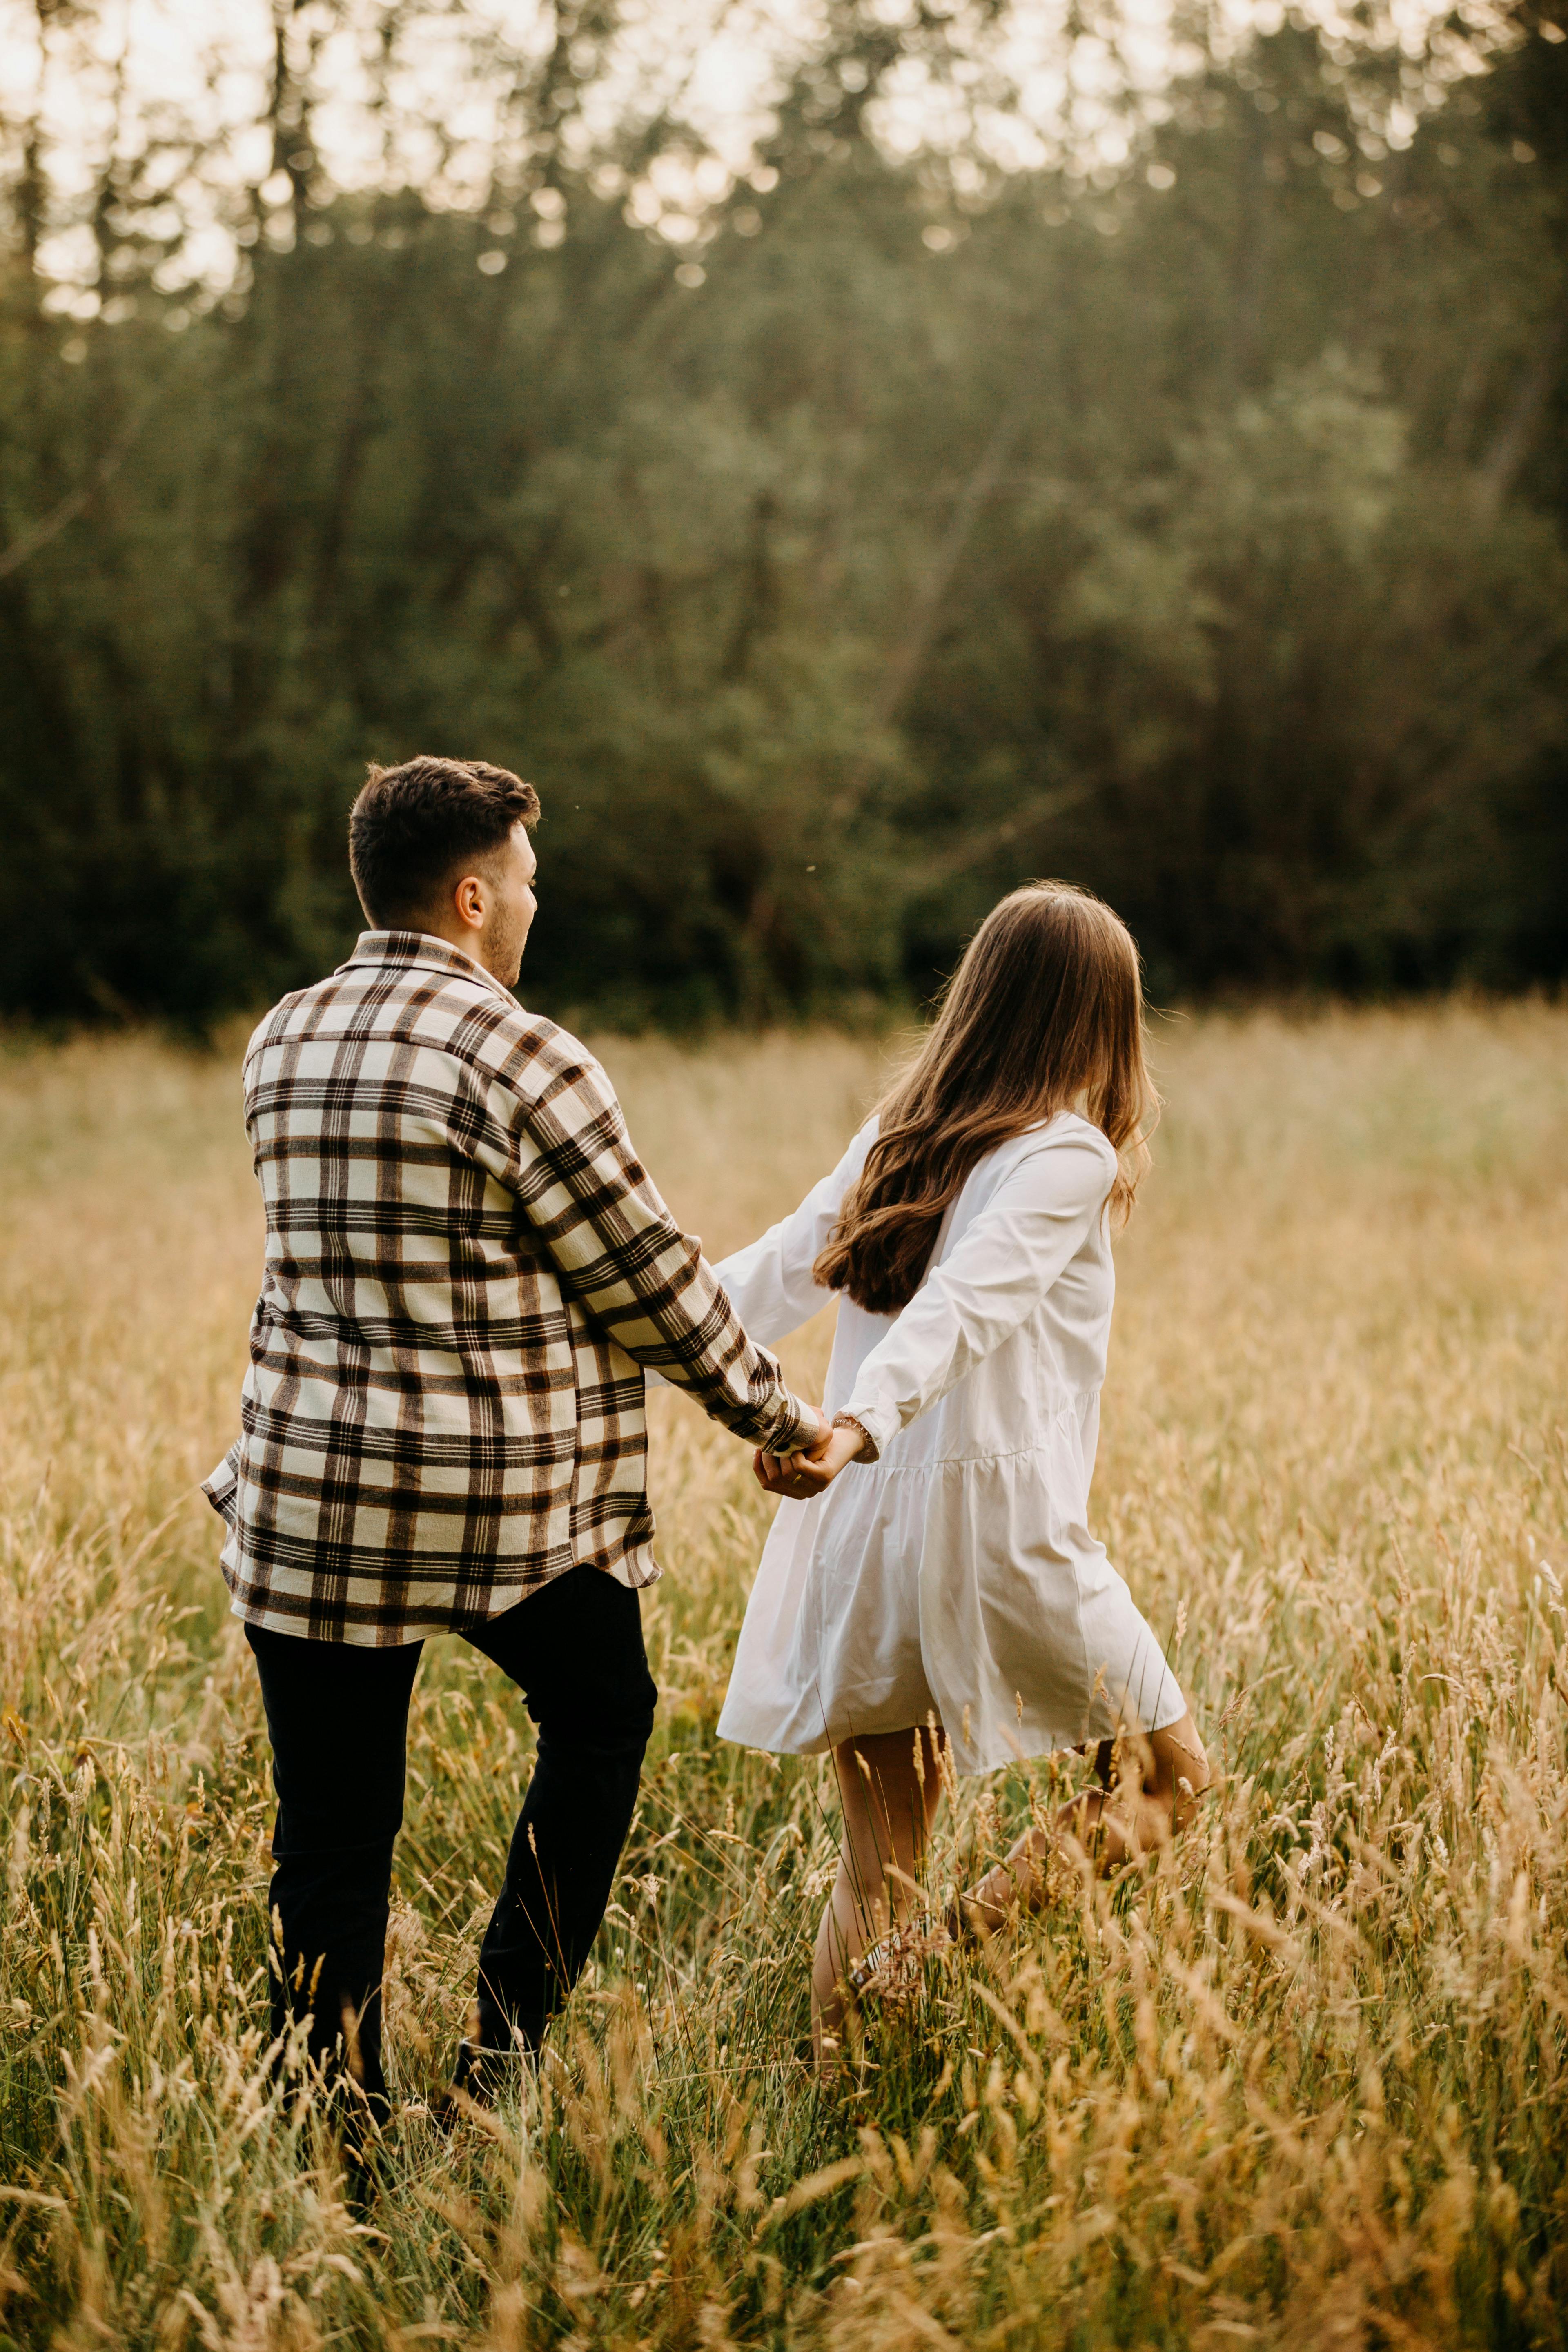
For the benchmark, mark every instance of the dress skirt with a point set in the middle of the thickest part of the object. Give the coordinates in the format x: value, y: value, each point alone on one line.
x: 950, y: 1589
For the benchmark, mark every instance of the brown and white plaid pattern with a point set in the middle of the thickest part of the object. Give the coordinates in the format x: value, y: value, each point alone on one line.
x: 466, y: 1270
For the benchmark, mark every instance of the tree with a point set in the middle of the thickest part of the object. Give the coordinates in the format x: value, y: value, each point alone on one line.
x: 903, y: 527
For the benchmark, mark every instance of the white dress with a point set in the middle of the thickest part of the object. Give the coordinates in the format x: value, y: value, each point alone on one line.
x: 956, y: 1574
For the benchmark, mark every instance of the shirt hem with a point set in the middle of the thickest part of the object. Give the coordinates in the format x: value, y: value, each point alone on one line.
x: 419, y: 1625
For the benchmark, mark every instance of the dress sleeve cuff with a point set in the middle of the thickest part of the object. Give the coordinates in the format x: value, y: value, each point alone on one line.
x: 869, y: 1449
x: 880, y: 1422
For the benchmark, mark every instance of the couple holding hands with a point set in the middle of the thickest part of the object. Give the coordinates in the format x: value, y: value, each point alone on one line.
x: 468, y: 1273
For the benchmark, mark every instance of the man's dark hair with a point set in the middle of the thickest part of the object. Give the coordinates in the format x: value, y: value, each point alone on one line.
x: 414, y: 827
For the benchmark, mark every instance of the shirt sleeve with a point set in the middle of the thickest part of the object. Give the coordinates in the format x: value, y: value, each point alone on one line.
x: 772, y: 1282
x: 599, y: 1218
x: 222, y: 1488
x: 1038, y: 1219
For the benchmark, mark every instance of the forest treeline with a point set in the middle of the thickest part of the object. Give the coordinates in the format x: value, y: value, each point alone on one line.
x: 1195, y: 530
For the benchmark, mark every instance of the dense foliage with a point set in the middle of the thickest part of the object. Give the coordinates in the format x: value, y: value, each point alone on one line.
x: 1198, y: 534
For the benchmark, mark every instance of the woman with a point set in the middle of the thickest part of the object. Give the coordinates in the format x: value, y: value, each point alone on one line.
x: 944, y: 1593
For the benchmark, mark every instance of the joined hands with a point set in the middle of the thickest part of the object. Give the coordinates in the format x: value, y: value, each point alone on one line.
x: 810, y: 1473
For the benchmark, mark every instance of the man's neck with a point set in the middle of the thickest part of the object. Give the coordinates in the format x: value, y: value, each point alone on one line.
x: 467, y: 942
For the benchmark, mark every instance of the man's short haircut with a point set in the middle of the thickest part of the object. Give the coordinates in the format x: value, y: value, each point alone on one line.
x: 416, y: 828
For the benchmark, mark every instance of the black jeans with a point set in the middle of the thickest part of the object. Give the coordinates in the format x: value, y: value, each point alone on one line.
x: 338, y: 1719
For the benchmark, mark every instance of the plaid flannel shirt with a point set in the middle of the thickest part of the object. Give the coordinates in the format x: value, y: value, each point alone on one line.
x: 466, y: 1270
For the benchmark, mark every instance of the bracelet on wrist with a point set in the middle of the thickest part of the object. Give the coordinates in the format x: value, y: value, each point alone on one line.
x: 848, y: 1421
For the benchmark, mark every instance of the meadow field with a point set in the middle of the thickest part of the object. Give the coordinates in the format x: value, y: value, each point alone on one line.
x: 1302, y: 2081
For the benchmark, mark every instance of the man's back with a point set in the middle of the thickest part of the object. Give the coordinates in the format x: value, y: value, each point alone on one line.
x: 441, y: 1411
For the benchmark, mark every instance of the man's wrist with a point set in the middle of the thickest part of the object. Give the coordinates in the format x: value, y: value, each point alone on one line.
x: 804, y: 1426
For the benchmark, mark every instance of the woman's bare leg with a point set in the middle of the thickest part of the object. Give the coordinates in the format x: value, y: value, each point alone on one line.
x: 1163, y: 1775
x: 889, y: 1785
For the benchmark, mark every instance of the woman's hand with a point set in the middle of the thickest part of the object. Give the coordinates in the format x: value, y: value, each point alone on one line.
x: 803, y: 1477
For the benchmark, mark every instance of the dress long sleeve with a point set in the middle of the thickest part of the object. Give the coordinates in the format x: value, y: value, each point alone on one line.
x: 1030, y: 1230
x: 771, y: 1283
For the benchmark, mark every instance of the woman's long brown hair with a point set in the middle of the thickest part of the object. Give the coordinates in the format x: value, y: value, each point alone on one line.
x: 1045, y: 1014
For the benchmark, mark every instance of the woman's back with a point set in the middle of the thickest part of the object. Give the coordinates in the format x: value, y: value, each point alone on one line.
x: 1011, y: 1318
x: 1056, y: 1353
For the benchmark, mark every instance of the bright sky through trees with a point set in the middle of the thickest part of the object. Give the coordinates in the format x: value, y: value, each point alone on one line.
x: 173, y: 96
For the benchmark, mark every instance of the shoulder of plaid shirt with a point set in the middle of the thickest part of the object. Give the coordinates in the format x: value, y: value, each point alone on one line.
x: 412, y: 1064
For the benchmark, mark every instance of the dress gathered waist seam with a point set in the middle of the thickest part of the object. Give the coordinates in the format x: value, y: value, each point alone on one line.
x: 965, y: 1461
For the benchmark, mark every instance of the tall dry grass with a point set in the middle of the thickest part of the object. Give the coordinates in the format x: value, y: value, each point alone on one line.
x: 1299, y: 2081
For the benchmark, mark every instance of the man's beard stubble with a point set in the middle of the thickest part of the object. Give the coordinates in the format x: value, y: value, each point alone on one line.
x: 502, y: 947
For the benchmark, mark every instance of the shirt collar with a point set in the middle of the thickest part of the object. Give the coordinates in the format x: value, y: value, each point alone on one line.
x: 425, y: 949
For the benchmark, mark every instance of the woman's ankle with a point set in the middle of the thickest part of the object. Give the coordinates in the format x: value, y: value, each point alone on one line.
x: 1008, y: 1888
x: 1021, y: 1885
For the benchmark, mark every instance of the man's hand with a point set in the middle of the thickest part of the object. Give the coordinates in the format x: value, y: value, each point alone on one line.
x: 803, y: 1477
x: 823, y: 1431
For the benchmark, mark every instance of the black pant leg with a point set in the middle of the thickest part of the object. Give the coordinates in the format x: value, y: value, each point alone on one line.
x: 338, y: 1719
x: 575, y: 1648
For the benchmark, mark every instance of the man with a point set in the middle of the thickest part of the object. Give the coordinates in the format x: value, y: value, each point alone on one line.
x: 443, y: 1427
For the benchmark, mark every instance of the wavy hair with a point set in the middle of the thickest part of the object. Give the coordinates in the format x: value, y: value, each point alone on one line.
x: 1045, y: 1014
